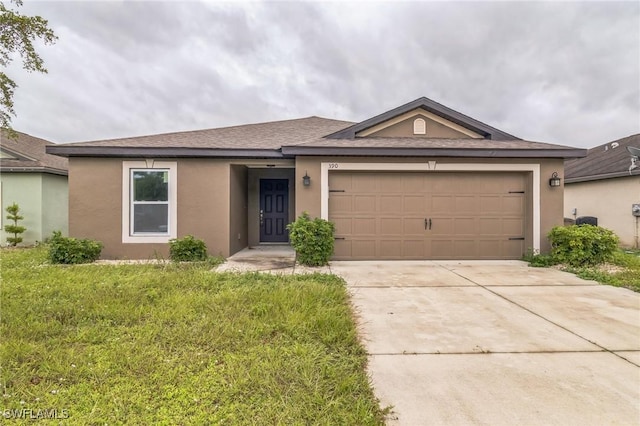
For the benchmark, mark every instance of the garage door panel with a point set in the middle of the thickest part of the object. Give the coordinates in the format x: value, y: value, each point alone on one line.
x: 340, y: 205
x: 344, y: 226
x: 363, y: 249
x: 442, y: 204
x: 414, y: 204
x: 513, y: 227
x: 382, y: 215
x: 513, y: 205
x: 364, y: 226
x: 391, y: 226
x: 391, y: 204
x: 413, y: 226
x: 364, y: 203
x: 466, y: 204
x: 390, y: 249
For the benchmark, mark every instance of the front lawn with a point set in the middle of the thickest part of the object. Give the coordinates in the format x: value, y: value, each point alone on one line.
x: 177, y: 344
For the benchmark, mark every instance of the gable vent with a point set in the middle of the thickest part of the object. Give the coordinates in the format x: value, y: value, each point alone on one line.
x: 419, y: 126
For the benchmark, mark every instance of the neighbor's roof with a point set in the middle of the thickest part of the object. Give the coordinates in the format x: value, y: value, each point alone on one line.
x: 29, y: 155
x: 606, y: 161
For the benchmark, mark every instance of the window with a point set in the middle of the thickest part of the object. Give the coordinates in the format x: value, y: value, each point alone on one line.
x: 419, y: 126
x: 149, y: 201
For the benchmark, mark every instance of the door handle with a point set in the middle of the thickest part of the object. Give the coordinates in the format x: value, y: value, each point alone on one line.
x: 426, y: 224
x: 261, y: 217
x: 429, y: 224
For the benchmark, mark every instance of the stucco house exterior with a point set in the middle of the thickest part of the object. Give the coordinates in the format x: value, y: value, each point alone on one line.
x: 420, y: 181
x: 37, y: 182
x: 605, y: 185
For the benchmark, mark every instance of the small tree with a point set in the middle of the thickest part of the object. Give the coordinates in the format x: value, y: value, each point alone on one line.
x: 15, y: 229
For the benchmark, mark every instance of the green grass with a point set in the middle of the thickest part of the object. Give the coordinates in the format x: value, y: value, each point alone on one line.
x: 628, y: 276
x: 178, y: 344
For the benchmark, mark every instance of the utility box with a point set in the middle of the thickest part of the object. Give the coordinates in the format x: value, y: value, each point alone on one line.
x: 635, y: 209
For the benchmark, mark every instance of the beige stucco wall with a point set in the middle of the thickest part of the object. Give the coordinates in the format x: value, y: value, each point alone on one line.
x: 309, y: 198
x: 238, y: 234
x: 610, y: 201
x: 95, y: 205
x: 404, y: 129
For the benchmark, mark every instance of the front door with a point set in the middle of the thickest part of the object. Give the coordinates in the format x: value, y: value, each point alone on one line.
x: 274, y: 210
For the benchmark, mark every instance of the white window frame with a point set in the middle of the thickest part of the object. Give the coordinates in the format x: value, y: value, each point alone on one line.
x: 128, y: 167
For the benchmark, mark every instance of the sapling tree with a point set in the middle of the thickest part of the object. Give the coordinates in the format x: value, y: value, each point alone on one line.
x: 15, y: 229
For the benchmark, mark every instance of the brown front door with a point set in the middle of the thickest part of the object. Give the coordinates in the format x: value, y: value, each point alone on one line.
x: 397, y: 215
x: 274, y: 210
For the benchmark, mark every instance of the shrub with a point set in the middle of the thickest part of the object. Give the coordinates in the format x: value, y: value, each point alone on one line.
x: 581, y: 245
x: 312, y: 240
x: 187, y: 249
x: 68, y: 250
x: 15, y: 229
x: 538, y: 260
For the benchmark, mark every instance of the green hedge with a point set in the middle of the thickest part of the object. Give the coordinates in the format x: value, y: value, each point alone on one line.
x: 68, y: 250
x: 582, y: 245
x: 312, y: 239
x: 187, y: 249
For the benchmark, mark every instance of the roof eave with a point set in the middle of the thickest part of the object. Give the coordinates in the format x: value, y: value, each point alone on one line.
x: 127, y: 152
x: 38, y: 169
x: 435, y: 152
x: 599, y: 177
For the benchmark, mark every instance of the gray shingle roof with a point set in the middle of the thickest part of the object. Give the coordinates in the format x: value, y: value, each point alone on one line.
x: 270, y: 135
x: 603, y: 162
x: 432, y: 147
x: 30, y: 155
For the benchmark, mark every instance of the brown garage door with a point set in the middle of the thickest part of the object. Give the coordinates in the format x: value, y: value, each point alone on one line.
x: 391, y: 215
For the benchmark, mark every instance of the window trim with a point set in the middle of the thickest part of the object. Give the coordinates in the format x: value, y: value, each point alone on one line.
x: 128, y: 167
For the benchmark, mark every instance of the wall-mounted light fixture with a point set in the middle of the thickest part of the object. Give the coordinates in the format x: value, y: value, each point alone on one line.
x: 555, y: 180
x: 306, y: 179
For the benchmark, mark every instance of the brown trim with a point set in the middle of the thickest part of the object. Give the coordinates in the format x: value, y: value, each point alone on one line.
x: 436, y: 152
x: 128, y: 152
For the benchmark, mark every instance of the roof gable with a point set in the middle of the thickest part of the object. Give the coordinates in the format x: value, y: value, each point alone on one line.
x: 432, y: 109
x: 605, y: 161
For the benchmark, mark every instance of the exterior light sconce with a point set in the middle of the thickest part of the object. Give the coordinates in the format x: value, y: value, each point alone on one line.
x: 555, y: 180
x: 306, y: 179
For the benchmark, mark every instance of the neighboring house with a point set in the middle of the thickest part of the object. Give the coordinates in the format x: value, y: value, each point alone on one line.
x: 37, y: 182
x: 421, y: 181
x: 605, y: 185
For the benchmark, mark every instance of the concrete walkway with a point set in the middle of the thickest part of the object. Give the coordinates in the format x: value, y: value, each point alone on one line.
x: 496, y: 343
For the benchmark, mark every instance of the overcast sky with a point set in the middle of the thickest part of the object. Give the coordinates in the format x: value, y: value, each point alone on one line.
x: 566, y: 73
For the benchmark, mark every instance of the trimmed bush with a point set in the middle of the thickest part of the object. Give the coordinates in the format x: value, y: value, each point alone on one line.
x: 15, y: 229
x: 69, y: 251
x: 187, y: 249
x: 312, y: 239
x: 582, y: 245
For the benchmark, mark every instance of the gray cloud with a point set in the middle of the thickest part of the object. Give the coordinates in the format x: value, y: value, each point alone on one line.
x: 555, y: 72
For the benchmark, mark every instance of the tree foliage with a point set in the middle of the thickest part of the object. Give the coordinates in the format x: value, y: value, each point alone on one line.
x: 18, y: 33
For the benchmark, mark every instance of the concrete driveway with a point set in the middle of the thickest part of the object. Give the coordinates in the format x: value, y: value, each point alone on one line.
x: 497, y: 343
